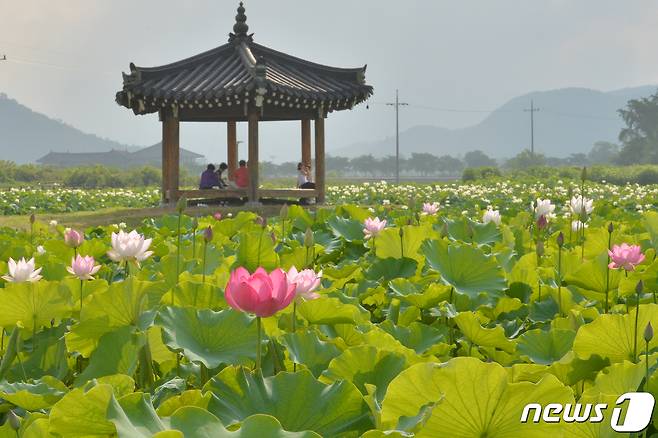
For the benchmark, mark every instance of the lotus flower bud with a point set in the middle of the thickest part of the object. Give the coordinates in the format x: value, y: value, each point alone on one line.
x: 32, y: 218
x: 217, y: 216
x: 283, y: 213
x: 560, y: 239
x: 72, y: 238
x: 639, y: 287
x: 260, y: 220
x: 181, y: 205
x: 611, y: 228
x: 309, y: 239
x: 648, y: 333
x: 540, y: 248
x: 583, y: 174
x: 207, y: 234
x: 195, y: 223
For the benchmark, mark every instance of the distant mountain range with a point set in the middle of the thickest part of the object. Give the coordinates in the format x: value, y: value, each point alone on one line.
x: 569, y: 120
x: 28, y: 135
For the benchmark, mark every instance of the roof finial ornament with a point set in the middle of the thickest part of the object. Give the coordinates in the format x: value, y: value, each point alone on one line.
x: 240, y: 28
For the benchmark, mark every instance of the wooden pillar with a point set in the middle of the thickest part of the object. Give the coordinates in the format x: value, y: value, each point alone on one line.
x: 231, y: 148
x: 165, y: 166
x: 306, y: 141
x: 170, y: 157
x: 319, y: 158
x: 253, y: 157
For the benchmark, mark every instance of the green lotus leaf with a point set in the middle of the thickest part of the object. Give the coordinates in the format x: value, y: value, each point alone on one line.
x: 212, y: 338
x: 41, y: 394
x: 305, y: 347
x: 466, y: 397
x: 198, y: 295
x: 612, y: 336
x: 122, y: 304
x: 418, y: 336
x: 255, y: 250
x: 134, y: 416
x: 42, y: 355
x: 37, y: 428
x: 354, y: 211
x: 466, y: 230
x: 545, y: 346
x: 121, y: 384
x: 390, y: 244
x: 410, y: 292
x: 591, y: 276
x: 349, y: 229
x: 330, y: 310
x: 117, y: 353
x: 366, y: 365
x: 467, y: 269
x: 589, y: 429
x: 202, y: 424
x: 230, y: 226
x: 192, y: 397
x: 81, y: 413
x: 390, y: 268
x: 32, y: 305
x: 297, y: 400
x: 484, y: 337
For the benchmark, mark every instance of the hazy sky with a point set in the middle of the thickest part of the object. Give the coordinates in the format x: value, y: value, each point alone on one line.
x: 66, y: 56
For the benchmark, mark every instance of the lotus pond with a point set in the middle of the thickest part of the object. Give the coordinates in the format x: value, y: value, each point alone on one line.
x: 438, y: 320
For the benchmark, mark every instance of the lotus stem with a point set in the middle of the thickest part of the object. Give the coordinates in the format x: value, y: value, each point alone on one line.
x: 607, y: 273
x: 258, y: 345
x: 638, y: 290
x: 401, y: 242
x: 81, y: 287
x: 194, y: 244
x: 180, y: 218
x: 646, y: 364
x: 294, y: 328
x: 559, y: 280
x: 203, y: 263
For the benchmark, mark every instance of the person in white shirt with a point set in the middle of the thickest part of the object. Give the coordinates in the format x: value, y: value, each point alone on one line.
x: 303, y: 177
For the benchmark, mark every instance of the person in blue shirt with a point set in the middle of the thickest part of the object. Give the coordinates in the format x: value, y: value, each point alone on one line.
x: 209, y: 178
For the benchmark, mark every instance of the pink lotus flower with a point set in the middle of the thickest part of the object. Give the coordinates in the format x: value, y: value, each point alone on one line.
x: 430, y: 209
x: 217, y: 216
x: 83, y: 267
x: 129, y: 247
x: 260, y: 293
x: 625, y: 256
x: 72, y: 238
x: 373, y: 227
x: 22, y: 271
x: 306, y: 281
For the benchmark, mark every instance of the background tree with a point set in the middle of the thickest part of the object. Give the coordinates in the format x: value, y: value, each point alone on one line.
x: 640, y: 136
x: 478, y: 158
x: 603, y: 152
x: 526, y: 159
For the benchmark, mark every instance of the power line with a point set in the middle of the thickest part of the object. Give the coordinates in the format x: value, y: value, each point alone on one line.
x: 397, y: 105
x: 532, y: 111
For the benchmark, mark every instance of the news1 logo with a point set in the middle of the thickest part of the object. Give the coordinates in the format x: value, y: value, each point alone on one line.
x: 638, y: 412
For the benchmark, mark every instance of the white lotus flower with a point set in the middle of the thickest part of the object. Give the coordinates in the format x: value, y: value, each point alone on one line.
x: 129, y: 247
x: 491, y: 215
x: 544, y: 208
x: 22, y: 271
x: 580, y: 205
x: 578, y: 226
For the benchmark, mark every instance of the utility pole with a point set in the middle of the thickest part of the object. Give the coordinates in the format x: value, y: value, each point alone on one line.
x: 532, y: 111
x: 397, y: 105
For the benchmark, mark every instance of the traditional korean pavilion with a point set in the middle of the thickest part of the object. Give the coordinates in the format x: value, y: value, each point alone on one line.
x: 242, y: 81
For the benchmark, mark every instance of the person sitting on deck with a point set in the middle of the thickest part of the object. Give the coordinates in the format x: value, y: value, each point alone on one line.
x: 241, y: 176
x: 209, y: 178
x: 304, y: 177
x: 222, y: 183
